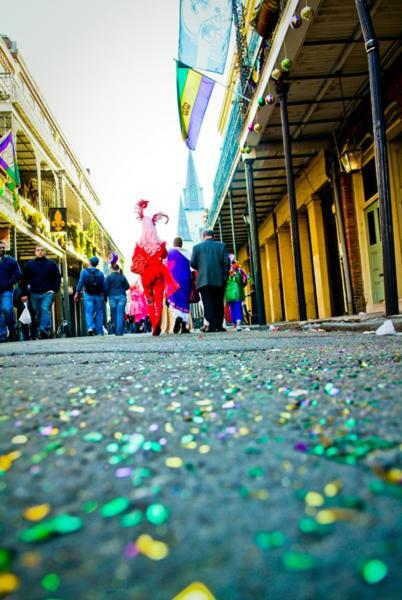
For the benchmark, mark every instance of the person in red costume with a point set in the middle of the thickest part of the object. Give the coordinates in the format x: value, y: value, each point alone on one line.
x: 147, y: 261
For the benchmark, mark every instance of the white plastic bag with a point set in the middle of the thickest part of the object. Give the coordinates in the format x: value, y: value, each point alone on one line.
x: 25, y: 317
x: 387, y: 328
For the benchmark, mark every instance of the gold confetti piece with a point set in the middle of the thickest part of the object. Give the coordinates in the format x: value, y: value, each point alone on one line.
x: 333, y: 488
x: 174, y: 462
x: 5, y: 462
x: 314, y: 499
x: 204, y: 449
x: 8, y: 583
x: 340, y: 514
x: 259, y: 495
x: 195, y: 591
x: 37, y: 513
x: 190, y: 445
x: 244, y: 431
x: 31, y: 559
x: 203, y: 402
x: 325, y: 517
x: 135, y: 408
x: 153, y: 549
x: 168, y: 428
x: 19, y: 439
x: 74, y: 390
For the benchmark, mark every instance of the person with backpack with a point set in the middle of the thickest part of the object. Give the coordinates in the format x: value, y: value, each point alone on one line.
x: 116, y: 286
x: 234, y: 291
x: 92, y: 281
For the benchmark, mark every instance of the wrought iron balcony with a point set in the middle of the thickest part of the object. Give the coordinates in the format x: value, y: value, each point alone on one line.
x: 227, y: 156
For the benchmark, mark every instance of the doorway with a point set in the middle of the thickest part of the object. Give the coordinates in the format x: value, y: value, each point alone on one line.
x: 372, y: 219
x: 333, y: 258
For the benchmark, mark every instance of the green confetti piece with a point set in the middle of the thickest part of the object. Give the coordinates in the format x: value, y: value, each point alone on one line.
x: 114, y: 507
x: 132, y: 518
x: 5, y: 559
x: 262, y: 540
x: 59, y: 525
x: 308, y: 525
x: 112, y: 447
x: 38, y: 533
x: 267, y: 540
x: 186, y: 439
x: 90, y: 506
x: 51, y: 582
x: 255, y: 472
x: 66, y: 524
x: 157, y: 514
x: 374, y: 571
x: 297, y: 561
x: 93, y: 436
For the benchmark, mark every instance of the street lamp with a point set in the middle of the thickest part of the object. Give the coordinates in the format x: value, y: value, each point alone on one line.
x: 351, y: 158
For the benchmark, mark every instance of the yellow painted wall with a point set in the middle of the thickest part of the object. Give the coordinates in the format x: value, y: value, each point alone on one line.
x: 395, y: 166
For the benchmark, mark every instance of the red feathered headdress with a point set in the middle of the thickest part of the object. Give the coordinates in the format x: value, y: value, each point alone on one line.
x: 140, y: 207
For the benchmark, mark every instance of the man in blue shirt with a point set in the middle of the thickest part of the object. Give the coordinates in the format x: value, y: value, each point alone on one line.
x: 92, y: 280
x: 10, y: 274
x: 41, y: 278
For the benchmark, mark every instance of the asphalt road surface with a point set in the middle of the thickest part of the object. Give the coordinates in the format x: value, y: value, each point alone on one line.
x: 263, y: 465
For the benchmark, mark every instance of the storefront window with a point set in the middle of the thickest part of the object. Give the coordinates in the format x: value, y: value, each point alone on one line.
x: 369, y: 180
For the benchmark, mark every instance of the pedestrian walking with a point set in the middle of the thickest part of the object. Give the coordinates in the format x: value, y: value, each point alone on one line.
x: 41, y: 281
x: 210, y: 259
x: 178, y: 262
x: 149, y: 254
x: 92, y: 281
x: 25, y: 317
x: 10, y: 274
x: 116, y: 286
x: 234, y: 291
x: 138, y: 309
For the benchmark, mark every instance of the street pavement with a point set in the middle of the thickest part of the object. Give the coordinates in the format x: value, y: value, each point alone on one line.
x: 263, y: 465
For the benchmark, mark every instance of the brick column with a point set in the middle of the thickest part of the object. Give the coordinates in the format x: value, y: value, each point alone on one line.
x: 319, y: 251
x: 352, y: 240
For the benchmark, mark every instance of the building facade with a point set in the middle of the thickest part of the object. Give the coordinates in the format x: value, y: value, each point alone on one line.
x: 297, y: 182
x: 51, y: 177
x: 191, y: 220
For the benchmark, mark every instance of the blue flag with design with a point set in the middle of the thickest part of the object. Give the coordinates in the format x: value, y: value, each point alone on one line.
x: 205, y: 33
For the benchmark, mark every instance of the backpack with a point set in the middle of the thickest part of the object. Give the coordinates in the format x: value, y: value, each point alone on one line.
x: 94, y: 283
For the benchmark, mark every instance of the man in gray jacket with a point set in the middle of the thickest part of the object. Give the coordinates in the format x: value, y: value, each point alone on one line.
x: 211, y: 259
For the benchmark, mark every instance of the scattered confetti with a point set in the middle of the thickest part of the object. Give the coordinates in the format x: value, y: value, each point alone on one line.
x: 195, y: 591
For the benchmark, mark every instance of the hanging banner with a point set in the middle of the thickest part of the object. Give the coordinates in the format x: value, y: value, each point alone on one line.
x: 58, y: 220
x: 193, y: 93
x: 204, y: 33
x: 8, y: 161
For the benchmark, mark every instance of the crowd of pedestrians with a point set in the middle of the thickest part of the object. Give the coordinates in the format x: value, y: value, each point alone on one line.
x: 208, y: 274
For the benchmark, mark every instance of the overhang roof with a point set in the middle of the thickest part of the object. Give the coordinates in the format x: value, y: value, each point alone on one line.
x: 328, y: 81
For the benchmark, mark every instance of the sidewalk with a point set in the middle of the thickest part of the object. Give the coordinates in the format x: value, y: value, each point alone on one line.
x: 359, y: 323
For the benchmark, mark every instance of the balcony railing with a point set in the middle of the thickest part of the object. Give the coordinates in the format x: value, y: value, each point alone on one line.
x: 13, y: 91
x: 230, y: 142
x: 227, y: 156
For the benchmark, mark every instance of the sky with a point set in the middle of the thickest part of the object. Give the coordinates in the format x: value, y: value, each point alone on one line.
x: 106, y: 70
